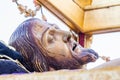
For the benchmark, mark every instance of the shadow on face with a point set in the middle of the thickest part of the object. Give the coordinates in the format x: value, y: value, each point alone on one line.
x: 44, y: 45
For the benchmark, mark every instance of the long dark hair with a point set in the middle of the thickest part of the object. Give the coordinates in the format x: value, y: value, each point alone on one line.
x: 24, y: 42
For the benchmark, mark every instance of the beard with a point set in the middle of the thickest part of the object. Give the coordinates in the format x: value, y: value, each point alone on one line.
x: 64, y: 64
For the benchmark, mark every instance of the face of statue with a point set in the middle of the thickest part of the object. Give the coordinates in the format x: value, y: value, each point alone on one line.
x: 62, y: 50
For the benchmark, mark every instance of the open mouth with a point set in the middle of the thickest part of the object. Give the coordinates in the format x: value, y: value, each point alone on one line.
x: 74, y: 46
x: 83, y: 55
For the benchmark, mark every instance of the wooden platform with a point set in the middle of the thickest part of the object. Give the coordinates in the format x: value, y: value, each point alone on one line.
x: 110, y: 73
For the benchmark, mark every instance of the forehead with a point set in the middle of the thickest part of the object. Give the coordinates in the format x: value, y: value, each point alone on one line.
x: 40, y: 27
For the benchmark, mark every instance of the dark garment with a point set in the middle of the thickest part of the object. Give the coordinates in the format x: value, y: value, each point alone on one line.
x: 4, y: 50
x: 8, y: 66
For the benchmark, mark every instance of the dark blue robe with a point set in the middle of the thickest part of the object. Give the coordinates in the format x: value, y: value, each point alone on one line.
x: 8, y: 66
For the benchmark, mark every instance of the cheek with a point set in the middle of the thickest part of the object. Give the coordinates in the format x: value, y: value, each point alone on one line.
x: 59, y: 49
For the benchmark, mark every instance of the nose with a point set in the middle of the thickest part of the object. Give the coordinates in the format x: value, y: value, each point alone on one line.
x: 66, y: 36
